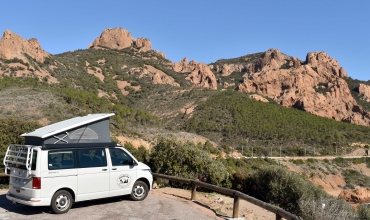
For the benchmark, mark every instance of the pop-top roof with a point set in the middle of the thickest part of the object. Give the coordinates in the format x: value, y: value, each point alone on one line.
x: 66, y: 125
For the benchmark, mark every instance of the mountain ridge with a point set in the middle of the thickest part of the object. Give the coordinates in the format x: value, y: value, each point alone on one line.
x: 316, y: 85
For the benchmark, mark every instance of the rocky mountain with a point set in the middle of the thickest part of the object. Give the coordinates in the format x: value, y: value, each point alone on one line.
x: 119, y: 38
x: 317, y: 85
x: 14, y: 46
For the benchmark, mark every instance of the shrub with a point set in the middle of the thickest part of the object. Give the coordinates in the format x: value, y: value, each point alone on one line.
x: 363, y: 212
x: 279, y: 186
x: 172, y: 157
x: 353, y: 178
x: 298, y: 162
x: 340, y: 161
x: 325, y: 207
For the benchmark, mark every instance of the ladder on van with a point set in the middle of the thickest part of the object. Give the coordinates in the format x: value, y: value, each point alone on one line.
x: 17, y: 156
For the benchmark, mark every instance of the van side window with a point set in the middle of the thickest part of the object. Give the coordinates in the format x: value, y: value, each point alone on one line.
x: 63, y: 159
x: 120, y: 157
x: 91, y: 158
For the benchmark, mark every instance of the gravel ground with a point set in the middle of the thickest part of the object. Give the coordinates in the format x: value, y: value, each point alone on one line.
x: 152, y: 208
x: 220, y: 205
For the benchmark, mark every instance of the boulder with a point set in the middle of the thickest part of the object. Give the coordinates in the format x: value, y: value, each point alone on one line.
x: 358, y: 195
x: 183, y: 66
x: 143, y: 44
x: 258, y: 98
x: 203, y: 77
x: 114, y: 38
x: 364, y: 91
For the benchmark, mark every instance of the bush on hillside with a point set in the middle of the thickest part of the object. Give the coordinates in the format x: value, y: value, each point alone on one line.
x: 326, y: 208
x: 279, y: 186
x: 10, y: 131
x: 185, y: 159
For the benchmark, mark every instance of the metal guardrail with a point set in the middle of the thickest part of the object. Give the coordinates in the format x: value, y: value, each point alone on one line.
x: 280, y: 213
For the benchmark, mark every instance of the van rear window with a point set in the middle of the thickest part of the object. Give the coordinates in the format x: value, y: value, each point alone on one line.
x: 34, y: 159
x: 63, y: 159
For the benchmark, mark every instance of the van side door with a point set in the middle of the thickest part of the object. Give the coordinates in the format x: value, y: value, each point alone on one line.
x: 122, y: 172
x: 61, y: 172
x: 93, y: 174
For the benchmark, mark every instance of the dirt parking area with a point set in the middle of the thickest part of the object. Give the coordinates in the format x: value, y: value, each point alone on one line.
x: 152, y: 208
x: 164, y: 203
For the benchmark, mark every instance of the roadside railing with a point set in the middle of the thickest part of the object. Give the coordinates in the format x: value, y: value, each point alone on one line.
x: 280, y: 213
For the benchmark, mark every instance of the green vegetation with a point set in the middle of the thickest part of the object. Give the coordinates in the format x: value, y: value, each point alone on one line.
x: 260, y: 178
x: 354, y: 178
x: 250, y: 58
x: 285, y: 66
x: 10, y: 131
x: 172, y: 157
x: 322, y: 88
x: 231, y: 117
x: 72, y: 101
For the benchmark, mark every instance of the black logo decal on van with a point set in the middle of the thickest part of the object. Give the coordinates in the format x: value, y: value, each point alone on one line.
x: 123, y: 180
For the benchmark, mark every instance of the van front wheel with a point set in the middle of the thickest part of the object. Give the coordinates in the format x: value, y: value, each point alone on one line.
x: 61, y: 202
x: 139, y: 191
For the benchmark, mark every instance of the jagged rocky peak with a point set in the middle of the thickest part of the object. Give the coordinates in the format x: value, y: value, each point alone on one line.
x: 119, y: 38
x: 114, y: 38
x: 325, y: 64
x: 316, y: 85
x: 14, y: 46
x: 183, y: 66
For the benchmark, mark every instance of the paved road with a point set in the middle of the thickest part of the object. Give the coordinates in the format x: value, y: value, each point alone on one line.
x: 154, y: 207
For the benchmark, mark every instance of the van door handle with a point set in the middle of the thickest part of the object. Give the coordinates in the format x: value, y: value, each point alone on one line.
x: 104, y: 169
x: 114, y: 168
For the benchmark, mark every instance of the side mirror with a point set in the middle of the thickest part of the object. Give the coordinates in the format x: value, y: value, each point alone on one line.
x: 133, y: 163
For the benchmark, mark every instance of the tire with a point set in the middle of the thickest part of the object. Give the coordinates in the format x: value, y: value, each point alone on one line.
x: 61, y: 202
x: 139, y: 191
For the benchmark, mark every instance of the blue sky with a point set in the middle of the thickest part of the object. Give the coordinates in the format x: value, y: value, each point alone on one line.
x: 204, y: 31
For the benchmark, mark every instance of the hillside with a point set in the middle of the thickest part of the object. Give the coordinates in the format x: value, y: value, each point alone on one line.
x: 152, y: 95
x: 192, y: 119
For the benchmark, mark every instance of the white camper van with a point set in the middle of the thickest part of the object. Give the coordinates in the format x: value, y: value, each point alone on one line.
x: 73, y: 161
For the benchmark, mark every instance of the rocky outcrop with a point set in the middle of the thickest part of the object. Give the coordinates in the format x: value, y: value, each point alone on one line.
x: 315, y: 86
x: 359, y: 195
x: 115, y: 38
x: 227, y: 85
x: 364, y: 91
x: 159, y: 77
x: 203, y: 77
x: 248, y: 66
x: 184, y: 67
x: 14, y: 46
x: 258, y: 98
x: 160, y: 53
x: 119, y: 38
x: 143, y: 44
x: 325, y: 64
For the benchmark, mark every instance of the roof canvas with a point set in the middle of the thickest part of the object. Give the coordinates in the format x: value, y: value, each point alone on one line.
x: 66, y: 125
